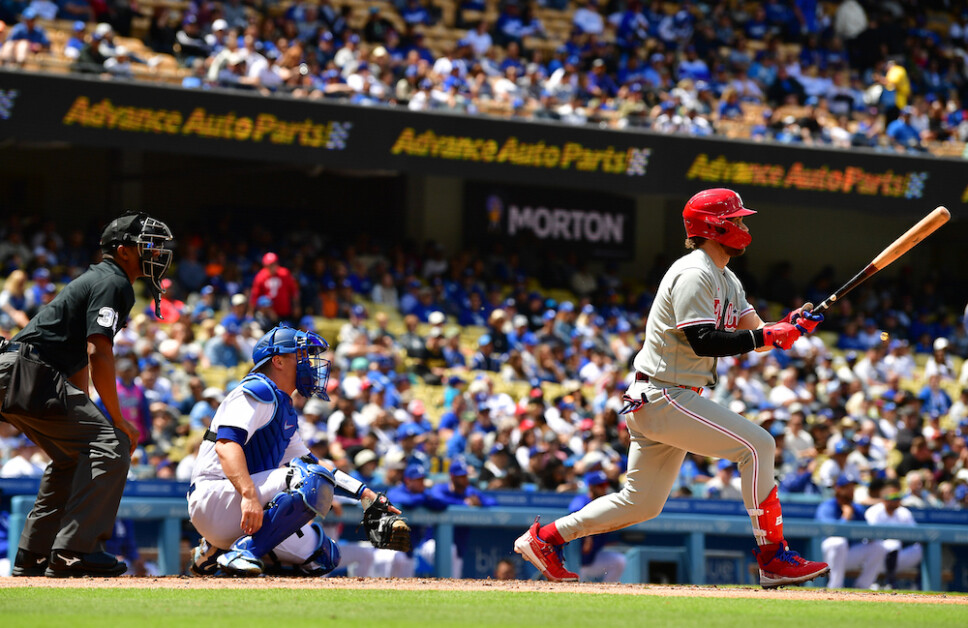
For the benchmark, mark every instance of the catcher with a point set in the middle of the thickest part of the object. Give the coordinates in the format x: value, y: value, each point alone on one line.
x: 256, y: 489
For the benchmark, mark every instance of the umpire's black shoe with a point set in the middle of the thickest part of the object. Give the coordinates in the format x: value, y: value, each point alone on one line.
x: 68, y: 564
x: 28, y: 564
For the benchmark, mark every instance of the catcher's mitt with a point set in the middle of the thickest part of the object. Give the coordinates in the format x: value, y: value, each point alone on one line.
x: 385, y: 529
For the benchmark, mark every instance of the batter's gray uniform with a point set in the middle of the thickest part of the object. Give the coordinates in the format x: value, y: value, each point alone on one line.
x: 676, y: 418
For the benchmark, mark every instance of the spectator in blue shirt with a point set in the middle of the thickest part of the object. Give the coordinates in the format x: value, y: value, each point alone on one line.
x: 597, y: 563
x: 415, y: 13
x: 224, y: 349
x: 26, y: 38
x: 460, y: 492
x: 904, y: 137
x: 410, y: 494
x: 838, y: 552
x: 484, y: 359
x: 202, y: 413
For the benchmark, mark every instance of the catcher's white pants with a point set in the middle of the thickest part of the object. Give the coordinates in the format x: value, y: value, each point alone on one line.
x: 392, y: 564
x: 607, y: 566
x: 843, y: 557
x: 215, y: 508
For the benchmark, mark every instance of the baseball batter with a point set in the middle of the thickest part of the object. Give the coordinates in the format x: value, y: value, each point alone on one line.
x: 700, y: 313
x: 256, y: 489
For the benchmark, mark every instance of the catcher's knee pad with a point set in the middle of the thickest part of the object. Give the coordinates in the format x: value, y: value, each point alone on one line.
x: 325, y: 559
x: 315, y: 483
x: 286, y: 513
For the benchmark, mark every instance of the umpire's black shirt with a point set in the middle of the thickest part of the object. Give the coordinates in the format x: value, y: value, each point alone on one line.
x: 97, y: 302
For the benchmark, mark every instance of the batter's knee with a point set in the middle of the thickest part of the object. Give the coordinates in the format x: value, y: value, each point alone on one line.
x: 644, y: 506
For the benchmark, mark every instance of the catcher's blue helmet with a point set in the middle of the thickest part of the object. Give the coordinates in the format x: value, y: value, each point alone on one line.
x: 312, y: 371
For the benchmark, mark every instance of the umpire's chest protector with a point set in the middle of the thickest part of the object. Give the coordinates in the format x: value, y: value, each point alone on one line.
x: 266, y: 446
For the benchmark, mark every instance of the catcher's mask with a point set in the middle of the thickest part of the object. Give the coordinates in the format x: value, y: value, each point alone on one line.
x: 312, y: 371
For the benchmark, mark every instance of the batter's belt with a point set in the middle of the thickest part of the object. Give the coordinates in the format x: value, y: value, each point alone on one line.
x: 642, y: 377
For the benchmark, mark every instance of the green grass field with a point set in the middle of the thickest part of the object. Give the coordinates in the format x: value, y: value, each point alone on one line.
x: 283, y: 608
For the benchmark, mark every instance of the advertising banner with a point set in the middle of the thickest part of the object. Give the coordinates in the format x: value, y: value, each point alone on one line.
x: 246, y: 125
x: 597, y: 226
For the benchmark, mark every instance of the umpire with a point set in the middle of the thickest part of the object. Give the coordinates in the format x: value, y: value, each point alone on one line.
x: 43, y: 391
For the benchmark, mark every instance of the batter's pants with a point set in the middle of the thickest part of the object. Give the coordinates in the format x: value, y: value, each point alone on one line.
x: 81, y: 488
x: 674, y: 422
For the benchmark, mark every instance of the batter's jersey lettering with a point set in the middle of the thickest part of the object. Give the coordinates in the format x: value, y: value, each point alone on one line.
x: 694, y: 291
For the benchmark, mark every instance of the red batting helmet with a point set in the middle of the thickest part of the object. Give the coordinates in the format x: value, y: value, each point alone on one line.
x: 707, y: 215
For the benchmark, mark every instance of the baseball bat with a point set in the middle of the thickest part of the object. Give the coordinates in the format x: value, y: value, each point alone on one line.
x: 925, y: 227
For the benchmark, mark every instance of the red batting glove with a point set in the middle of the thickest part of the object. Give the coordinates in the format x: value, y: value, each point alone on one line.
x: 807, y: 321
x: 792, y: 316
x: 780, y: 335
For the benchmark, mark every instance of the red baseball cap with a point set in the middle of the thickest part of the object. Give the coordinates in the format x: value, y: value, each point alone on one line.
x: 269, y: 258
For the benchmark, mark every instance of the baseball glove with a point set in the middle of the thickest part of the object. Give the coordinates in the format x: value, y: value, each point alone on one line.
x: 385, y: 529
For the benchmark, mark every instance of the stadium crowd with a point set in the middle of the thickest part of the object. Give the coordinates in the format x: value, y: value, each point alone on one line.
x: 512, y: 363
x: 884, y: 75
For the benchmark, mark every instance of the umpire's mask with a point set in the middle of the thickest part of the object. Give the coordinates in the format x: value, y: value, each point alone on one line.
x: 151, y: 237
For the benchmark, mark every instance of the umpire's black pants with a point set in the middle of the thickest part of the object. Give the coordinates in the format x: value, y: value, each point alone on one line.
x: 81, y: 488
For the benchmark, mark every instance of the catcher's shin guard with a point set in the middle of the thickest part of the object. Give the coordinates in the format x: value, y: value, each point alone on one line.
x: 286, y: 513
x: 768, y: 520
x: 326, y: 557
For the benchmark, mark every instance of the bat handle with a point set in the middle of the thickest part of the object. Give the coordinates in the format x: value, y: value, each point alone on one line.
x: 809, y: 307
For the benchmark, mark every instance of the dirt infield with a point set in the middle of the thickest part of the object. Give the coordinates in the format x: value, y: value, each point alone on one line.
x: 520, y: 586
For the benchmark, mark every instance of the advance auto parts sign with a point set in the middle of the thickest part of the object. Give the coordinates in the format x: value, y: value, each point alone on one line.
x: 200, y: 122
x: 549, y: 155
x: 593, y: 225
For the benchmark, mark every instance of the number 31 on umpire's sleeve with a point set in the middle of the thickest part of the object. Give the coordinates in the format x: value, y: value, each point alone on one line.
x: 107, y: 317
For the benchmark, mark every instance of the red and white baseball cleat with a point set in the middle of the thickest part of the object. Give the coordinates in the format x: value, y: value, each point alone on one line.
x: 545, y: 556
x: 780, y: 566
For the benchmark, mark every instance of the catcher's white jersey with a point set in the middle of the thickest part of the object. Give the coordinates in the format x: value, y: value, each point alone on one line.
x: 241, y: 411
x: 694, y: 291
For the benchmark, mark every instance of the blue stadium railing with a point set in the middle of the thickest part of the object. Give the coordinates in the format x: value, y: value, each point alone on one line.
x: 699, y: 527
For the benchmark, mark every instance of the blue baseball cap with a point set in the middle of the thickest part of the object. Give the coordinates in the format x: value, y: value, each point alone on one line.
x: 308, y: 322
x: 843, y: 446
x: 724, y: 464
x: 595, y: 478
x: 29, y: 13
x: 263, y: 301
x: 458, y: 467
x: 407, y: 430
x: 414, y: 472
x: 549, y: 315
x: 567, y: 306
x: 454, y: 380
x: 484, y: 340
x: 843, y: 480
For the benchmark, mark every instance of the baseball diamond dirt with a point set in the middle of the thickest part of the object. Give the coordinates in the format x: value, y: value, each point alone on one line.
x: 521, y: 586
